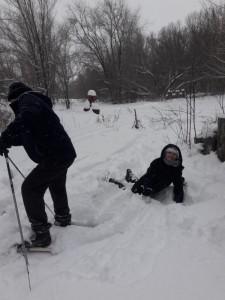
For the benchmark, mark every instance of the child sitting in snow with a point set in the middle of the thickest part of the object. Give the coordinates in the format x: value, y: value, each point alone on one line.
x: 162, y: 172
x: 91, y: 102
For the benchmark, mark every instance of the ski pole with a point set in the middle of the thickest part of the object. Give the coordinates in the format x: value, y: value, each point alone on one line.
x: 24, y: 178
x: 18, y: 217
x: 16, y: 167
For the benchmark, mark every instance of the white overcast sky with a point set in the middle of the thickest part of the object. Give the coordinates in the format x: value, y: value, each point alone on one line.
x: 156, y: 13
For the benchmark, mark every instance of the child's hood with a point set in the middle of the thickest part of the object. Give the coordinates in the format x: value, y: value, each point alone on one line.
x: 172, y: 146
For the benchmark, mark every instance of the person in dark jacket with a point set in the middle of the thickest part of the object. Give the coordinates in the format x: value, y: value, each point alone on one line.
x: 38, y: 129
x: 163, y: 171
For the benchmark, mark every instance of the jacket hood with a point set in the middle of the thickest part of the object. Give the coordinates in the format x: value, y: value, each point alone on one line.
x: 45, y: 98
x: 15, y: 105
x: 172, y: 146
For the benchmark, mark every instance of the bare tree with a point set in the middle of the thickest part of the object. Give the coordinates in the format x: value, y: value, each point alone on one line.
x: 8, y: 67
x: 67, y: 62
x: 104, y: 32
x: 27, y: 32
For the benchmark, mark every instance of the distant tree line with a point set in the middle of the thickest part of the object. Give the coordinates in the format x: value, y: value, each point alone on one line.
x: 106, y: 48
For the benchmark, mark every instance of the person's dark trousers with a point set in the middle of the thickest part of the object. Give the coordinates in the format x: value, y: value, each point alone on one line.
x: 48, y: 174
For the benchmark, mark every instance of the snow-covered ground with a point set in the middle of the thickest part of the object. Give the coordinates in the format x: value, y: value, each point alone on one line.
x: 140, y: 249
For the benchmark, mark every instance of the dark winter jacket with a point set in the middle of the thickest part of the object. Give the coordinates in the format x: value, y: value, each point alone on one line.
x: 160, y: 175
x: 38, y: 129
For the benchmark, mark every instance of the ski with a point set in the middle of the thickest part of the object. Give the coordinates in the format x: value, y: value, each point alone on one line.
x: 83, y: 223
x: 130, y: 178
x: 28, y: 248
x: 37, y: 250
x: 119, y: 184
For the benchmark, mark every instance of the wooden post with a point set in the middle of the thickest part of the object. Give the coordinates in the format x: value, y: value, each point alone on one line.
x: 221, y: 138
x: 136, y: 122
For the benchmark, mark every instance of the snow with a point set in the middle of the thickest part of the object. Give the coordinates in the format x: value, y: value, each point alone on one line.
x: 140, y: 248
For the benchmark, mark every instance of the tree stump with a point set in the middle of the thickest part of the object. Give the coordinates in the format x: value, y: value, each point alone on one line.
x: 208, y: 143
x: 221, y: 138
x: 208, y: 138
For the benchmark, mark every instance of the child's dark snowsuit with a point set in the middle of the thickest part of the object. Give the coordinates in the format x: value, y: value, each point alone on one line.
x: 160, y: 175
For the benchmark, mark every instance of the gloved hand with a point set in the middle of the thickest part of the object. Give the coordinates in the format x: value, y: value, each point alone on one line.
x: 137, y: 189
x: 147, y: 191
x: 179, y: 198
x: 3, y: 148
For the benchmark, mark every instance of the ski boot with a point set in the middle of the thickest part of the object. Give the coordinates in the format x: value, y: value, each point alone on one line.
x: 40, y: 240
x: 63, y: 221
x: 130, y: 177
x: 41, y: 237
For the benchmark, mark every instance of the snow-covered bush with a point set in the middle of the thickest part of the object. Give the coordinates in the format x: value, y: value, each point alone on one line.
x: 109, y: 120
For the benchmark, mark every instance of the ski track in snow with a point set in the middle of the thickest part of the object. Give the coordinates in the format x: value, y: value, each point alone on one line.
x: 140, y: 248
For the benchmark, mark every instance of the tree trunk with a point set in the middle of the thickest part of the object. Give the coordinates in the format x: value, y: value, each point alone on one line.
x: 221, y: 138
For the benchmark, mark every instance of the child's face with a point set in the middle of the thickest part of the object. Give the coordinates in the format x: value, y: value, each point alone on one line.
x: 170, y: 156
